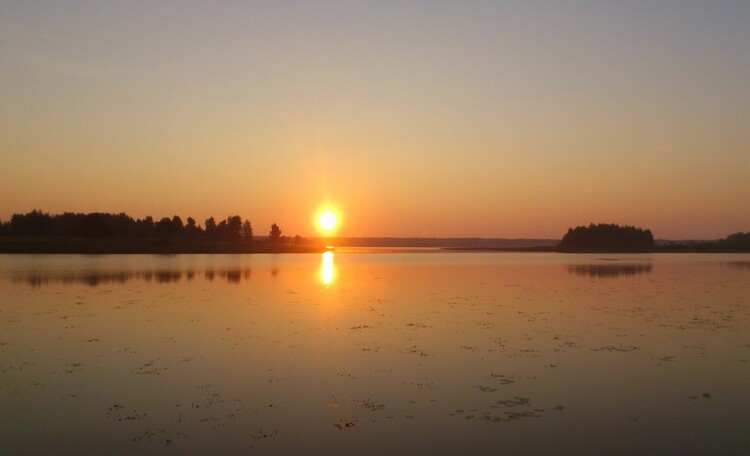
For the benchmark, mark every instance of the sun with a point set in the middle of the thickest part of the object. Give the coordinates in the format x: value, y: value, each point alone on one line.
x: 327, y: 221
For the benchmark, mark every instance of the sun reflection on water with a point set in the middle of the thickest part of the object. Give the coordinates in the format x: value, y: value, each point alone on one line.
x: 327, y: 269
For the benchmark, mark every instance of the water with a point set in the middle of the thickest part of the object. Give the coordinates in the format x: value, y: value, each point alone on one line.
x: 375, y: 353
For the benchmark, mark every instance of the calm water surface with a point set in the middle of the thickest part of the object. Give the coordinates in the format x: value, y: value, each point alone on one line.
x: 366, y: 353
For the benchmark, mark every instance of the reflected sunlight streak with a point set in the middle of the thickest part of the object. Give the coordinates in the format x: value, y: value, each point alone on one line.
x: 327, y: 270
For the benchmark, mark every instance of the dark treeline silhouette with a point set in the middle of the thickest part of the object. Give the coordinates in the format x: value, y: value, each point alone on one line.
x: 606, y: 237
x: 737, y: 242
x: 615, y: 238
x: 100, y: 225
x: 38, y: 231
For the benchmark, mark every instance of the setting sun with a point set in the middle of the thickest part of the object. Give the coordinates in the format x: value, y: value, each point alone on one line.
x: 314, y: 212
x: 327, y: 221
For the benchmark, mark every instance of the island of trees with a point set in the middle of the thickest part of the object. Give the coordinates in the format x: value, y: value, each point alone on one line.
x: 614, y: 238
x: 606, y: 237
x: 39, y: 232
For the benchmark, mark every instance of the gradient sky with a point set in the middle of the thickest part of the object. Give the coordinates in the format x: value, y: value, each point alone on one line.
x: 484, y: 118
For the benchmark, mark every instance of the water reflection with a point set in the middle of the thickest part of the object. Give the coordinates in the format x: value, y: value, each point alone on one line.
x: 395, y: 345
x: 327, y: 269
x: 96, y: 278
x: 610, y: 270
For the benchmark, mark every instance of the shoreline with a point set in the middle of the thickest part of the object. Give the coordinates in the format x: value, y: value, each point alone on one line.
x: 111, y: 246
x: 340, y: 249
x: 144, y: 247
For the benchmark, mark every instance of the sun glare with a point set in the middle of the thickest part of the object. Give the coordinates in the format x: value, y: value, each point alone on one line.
x: 327, y: 221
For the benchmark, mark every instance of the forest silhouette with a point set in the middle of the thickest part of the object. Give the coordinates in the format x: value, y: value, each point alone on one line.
x: 607, y: 237
x: 38, y: 231
x: 610, y: 237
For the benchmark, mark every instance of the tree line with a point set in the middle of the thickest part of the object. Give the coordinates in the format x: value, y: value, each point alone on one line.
x: 737, y: 242
x: 38, y: 224
x: 609, y: 237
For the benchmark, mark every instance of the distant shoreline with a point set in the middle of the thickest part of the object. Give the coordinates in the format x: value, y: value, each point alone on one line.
x: 171, y: 247
x: 143, y: 246
x: 543, y: 249
x: 105, y: 233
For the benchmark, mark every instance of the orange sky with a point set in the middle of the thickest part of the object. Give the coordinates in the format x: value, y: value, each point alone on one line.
x: 473, y: 119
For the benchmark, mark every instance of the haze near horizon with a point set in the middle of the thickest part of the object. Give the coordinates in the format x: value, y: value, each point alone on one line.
x: 475, y: 119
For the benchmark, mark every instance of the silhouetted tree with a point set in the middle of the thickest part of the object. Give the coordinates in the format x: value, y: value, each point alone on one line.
x: 177, y: 222
x: 275, y: 234
x: 233, y: 227
x: 247, y: 232
x: 211, y: 227
x: 191, y: 229
x: 221, y: 229
x: 145, y: 228
x: 165, y: 228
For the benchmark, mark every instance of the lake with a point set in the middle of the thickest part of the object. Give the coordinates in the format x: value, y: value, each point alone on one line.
x: 375, y: 353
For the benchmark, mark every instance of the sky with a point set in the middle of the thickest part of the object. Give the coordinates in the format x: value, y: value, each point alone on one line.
x: 508, y: 119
